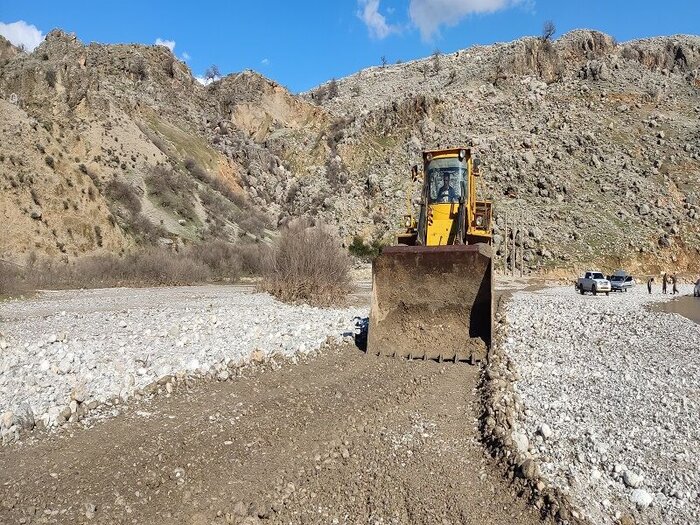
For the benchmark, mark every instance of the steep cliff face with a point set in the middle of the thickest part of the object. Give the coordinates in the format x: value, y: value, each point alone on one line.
x: 594, y: 146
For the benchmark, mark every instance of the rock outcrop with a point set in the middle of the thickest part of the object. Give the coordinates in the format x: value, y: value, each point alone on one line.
x: 577, y: 137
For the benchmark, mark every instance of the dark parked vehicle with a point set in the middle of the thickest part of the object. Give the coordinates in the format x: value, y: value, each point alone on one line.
x: 620, y: 281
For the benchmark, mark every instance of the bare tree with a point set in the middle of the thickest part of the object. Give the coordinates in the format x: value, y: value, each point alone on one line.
x: 436, y: 61
x: 332, y: 89
x: 424, y: 69
x: 212, y: 72
x: 548, y: 30
x: 384, y: 61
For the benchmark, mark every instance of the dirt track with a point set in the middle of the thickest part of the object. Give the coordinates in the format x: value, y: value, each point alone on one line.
x: 342, y: 438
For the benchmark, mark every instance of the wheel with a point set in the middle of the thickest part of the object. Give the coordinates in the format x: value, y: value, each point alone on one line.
x: 595, y: 292
x: 607, y: 293
x: 583, y: 292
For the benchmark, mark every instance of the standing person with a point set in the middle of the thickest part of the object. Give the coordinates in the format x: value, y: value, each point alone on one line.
x: 649, y: 281
x: 674, y: 280
x: 664, y: 283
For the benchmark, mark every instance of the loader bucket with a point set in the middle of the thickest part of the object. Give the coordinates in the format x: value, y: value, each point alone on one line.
x: 432, y: 302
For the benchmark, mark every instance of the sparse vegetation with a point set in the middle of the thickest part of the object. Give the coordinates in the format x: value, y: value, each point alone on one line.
x: 332, y: 89
x: 362, y: 250
x: 172, y: 190
x: 138, y: 68
x: 11, y: 280
x: 307, y: 265
x: 214, y: 261
x: 548, y: 31
x: 384, y: 61
x: 437, y: 65
x: 212, y: 72
x: 125, y: 194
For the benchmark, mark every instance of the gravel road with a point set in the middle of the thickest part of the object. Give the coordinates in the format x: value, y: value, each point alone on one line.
x: 340, y: 437
x: 612, y: 390
x: 63, y: 352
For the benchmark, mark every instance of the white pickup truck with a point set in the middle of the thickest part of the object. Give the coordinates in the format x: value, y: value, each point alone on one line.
x: 594, y: 282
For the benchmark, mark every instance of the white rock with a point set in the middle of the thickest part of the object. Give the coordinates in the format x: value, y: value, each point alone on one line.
x: 521, y: 442
x: 632, y: 479
x: 545, y: 431
x: 7, y: 420
x: 641, y: 498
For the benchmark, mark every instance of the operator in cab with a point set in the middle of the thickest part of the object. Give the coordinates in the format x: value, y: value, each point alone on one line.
x: 446, y: 193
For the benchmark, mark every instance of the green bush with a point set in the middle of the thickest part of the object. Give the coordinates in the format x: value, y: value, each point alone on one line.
x: 362, y: 250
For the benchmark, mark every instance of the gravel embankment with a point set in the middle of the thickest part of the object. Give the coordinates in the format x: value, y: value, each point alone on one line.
x: 65, y: 352
x: 612, y: 392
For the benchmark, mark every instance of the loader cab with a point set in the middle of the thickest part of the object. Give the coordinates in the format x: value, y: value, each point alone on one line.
x: 450, y: 213
x: 447, y: 180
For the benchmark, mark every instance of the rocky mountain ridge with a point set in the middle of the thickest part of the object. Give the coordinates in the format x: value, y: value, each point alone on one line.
x: 593, y: 146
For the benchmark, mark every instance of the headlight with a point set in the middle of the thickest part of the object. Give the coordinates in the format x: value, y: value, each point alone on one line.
x: 479, y: 220
x: 408, y: 223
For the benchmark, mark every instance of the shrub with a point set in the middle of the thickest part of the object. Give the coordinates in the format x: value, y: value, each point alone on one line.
x: 171, y: 190
x: 252, y: 257
x: 307, y: 265
x: 359, y: 248
x: 332, y: 89
x: 152, y: 266
x: 49, y: 161
x: 124, y: 194
x: 220, y: 257
x: 144, y: 229
x: 11, y: 280
x: 251, y: 221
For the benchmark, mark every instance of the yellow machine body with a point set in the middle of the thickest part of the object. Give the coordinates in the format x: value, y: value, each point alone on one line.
x: 432, y: 294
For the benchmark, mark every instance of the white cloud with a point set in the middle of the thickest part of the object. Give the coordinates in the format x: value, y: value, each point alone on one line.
x: 375, y: 21
x: 170, y: 44
x: 429, y: 15
x: 265, y: 61
x: 185, y: 56
x: 21, y: 33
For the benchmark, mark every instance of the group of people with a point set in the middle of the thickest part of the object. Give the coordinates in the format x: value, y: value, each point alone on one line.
x: 665, y: 279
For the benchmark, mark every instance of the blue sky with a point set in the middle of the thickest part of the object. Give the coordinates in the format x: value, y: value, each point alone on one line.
x: 302, y: 44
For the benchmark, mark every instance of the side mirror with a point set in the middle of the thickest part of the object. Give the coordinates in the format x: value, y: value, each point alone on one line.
x: 415, y: 173
x: 476, y: 162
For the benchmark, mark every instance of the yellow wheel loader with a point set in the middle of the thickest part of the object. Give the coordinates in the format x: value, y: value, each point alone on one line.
x: 432, y: 293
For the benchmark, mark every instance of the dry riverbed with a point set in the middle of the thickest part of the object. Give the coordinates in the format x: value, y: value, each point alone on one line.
x: 330, y: 436
x: 611, y: 389
x: 64, y: 352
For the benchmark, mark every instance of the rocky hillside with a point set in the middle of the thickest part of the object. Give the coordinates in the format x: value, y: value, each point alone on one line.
x: 593, y: 145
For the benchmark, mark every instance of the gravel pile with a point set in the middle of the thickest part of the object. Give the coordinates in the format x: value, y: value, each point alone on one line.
x: 67, y: 352
x: 611, y: 390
